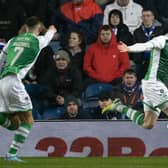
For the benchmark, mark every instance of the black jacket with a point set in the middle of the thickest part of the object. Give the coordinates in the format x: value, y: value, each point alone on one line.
x: 139, y: 37
x: 124, y: 35
x: 64, y: 83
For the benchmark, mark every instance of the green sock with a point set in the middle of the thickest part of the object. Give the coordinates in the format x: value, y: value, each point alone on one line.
x: 5, y: 122
x: 134, y: 115
x: 19, y: 138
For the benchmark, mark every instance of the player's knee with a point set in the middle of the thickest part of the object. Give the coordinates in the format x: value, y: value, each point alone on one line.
x: 26, y: 117
x: 30, y: 120
x: 148, y: 125
x: 15, y: 122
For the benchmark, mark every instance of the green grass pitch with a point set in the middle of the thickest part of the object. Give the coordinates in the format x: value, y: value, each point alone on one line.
x: 110, y: 162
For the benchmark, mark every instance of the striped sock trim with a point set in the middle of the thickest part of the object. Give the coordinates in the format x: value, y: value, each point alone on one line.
x: 122, y: 108
x: 23, y: 132
x: 157, y: 111
x: 129, y: 113
x: 7, y: 123
x: 138, y: 119
x: 19, y: 138
x: 132, y: 115
x: 15, y: 145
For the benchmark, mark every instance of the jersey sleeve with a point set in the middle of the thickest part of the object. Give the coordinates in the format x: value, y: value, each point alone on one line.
x: 157, y: 42
x: 45, y: 40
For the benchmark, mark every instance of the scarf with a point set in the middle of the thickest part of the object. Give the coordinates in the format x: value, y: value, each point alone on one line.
x: 129, y: 89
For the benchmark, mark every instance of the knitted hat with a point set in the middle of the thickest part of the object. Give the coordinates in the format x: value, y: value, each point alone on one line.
x: 62, y: 54
x: 72, y: 99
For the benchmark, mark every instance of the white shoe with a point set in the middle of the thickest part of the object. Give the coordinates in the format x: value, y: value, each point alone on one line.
x: 13, y: 158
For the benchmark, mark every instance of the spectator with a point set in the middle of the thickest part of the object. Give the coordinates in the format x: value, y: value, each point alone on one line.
x: 119, y: 28
x: 105, y: 98
x: 75, y: 44
x: 131, y: 13
x: 74, y: 110
x: 103, y: 62
x: 79, y: 14
x: 12, y: 16
x: 129, y: 91
x: 62, y: 81
x: 144, y: 33
x: 150, y: 4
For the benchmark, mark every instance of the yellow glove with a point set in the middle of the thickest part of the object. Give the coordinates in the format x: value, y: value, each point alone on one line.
x: 112, y: 106
x: 107, y: 108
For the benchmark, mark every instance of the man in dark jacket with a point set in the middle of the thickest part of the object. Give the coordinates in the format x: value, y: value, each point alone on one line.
x: 63, y: 80
x: 129, y: 91
x: 144, y: 33
x: 74, y: 110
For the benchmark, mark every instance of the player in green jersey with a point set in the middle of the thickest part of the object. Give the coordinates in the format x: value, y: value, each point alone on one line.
x: 154, y: 85
x: 17, y: 57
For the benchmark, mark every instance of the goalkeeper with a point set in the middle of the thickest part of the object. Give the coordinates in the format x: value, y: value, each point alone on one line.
x: 17, y: 57
x: 154, y: 85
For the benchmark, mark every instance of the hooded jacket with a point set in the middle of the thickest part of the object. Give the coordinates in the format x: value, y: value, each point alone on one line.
x: 86, y: 10
x: 87, y: 17
x: 105, y: 63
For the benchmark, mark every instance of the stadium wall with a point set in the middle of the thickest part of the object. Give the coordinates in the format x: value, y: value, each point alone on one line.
x: 89, y: 138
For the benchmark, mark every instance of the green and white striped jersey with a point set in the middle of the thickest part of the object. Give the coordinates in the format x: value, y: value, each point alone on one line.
x: 158, y: 67
x: 22, y: 51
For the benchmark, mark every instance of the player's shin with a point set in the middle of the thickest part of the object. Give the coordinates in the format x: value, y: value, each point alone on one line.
x: 19, y: 138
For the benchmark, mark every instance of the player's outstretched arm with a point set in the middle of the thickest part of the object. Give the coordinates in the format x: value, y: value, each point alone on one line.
x: 45, y: 40
x: 53, y: 28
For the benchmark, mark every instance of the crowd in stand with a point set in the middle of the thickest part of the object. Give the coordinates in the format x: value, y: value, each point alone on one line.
x: 82, y: 70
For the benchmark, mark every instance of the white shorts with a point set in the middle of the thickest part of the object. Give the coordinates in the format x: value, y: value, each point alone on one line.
x: 155, y: 96
x: 13, y: 96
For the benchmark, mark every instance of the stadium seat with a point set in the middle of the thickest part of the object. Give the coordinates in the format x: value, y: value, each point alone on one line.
x: 34, y: 91
x: 53, y: 113
x: 91, y: 94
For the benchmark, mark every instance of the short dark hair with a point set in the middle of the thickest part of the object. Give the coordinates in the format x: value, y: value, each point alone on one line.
x: 32, y: 21
x: 115, y: 12
x: 147, y: 10
x: 81, y: 36
x: 105, y: 27
x: 130, y: 72
x: 104, y: 95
